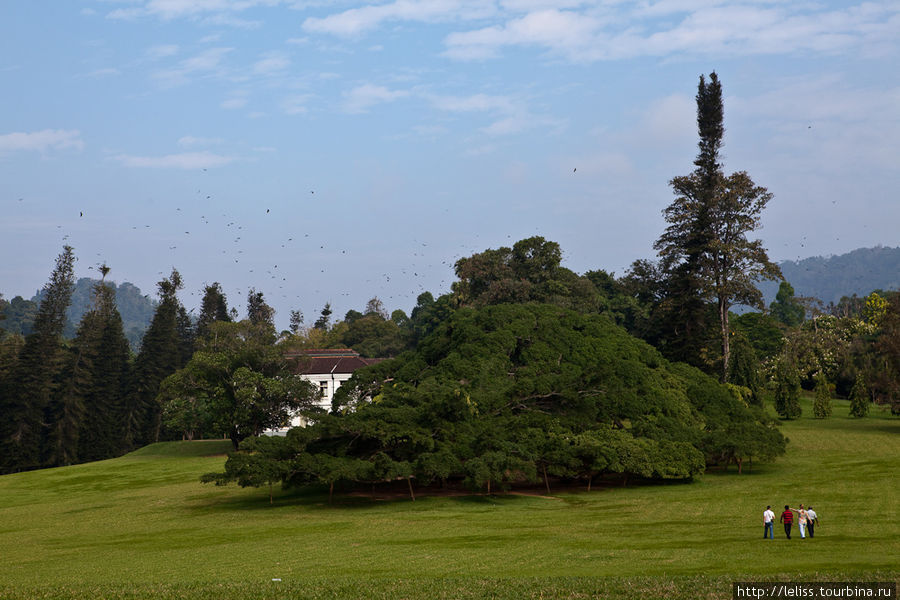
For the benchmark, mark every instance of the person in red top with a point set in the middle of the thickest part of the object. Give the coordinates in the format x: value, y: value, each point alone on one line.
x: 787, y: 517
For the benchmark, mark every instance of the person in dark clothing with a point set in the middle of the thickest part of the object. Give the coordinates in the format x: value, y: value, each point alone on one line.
x: 813, y: 519
x: 787, y: 517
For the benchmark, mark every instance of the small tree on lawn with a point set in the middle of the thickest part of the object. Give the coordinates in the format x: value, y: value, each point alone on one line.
x: 822, y: 402
x: 787, y: 389
x: 859, y: 397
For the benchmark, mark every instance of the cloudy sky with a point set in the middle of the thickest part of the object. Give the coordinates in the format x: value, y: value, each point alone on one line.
x: 331, y: 151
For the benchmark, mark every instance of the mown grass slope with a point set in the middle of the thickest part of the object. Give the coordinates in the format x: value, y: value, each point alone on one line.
x: 143, y: 526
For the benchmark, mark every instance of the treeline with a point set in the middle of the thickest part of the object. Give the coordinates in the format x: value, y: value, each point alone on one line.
x: 527, y: 371
x: 65, y: 401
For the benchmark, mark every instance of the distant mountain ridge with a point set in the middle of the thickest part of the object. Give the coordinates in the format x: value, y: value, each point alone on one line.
x: 135, y: 308
x: 830, y: 278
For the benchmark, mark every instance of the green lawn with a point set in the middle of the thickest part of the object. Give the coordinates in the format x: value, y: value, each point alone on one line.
x: 143, y: 526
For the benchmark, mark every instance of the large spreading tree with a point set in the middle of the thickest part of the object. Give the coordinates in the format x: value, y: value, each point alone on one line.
x: 705, y: 249
x: 510, y: 393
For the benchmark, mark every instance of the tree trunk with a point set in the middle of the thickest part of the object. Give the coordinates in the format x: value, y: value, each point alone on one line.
x: 489, y: 487
x: 726, y: 343
x: 330, y: 492
x: 740, y: 464
x: 411, y: 494
x: 270, y: 494
x: 590, y: 479
x: 546, y: 481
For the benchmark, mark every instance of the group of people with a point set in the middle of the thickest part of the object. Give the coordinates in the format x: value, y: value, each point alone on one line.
x: 807, y: 519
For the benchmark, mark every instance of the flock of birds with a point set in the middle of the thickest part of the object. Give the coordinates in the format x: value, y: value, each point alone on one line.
x: 253, y: 251
x: 297, y: 268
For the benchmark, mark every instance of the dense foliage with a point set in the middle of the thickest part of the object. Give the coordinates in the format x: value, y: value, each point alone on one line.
x: 511, y: 393
x: 237, y: 384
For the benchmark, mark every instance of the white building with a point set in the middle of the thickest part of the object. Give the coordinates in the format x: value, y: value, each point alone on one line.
x: 326, y: 369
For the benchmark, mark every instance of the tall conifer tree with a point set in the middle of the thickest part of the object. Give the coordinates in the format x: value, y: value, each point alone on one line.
x: 160, y: 356
x: 102, y: 339
x: 213, y: 308
x: 37, y: 374
x: 705, y: 249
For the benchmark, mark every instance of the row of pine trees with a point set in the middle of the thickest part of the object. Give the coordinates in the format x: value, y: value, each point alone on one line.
x: 70, y: 401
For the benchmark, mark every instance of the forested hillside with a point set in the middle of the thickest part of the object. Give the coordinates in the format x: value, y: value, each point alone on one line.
x: 136, y: 310
x: 830, y: 278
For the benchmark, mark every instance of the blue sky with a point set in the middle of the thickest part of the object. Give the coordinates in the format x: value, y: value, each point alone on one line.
x: 331, y: 151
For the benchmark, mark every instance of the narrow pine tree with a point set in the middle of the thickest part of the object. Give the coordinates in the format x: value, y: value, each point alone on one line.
x: 160, y: 356
x: 213, y: 308
x: 822, y: 400
x: 38, y: 372
x: 859, y: 397
x: 102, y: 339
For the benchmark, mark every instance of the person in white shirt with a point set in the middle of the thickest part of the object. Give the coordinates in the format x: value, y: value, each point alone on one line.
x: 769, y: 522
x: 804, y: 519
x: 811, y: 519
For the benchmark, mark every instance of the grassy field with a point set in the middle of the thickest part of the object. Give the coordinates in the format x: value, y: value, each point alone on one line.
x: 143, y: 526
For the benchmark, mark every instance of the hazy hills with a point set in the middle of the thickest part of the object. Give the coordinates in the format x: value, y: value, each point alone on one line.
x: 135, y: 308
x: 830, y: 278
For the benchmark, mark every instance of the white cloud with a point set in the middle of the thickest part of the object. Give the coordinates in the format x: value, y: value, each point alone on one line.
x: 187, y: 160
x: 106, y: 72
x: 564, y: 31
x: 41, y: 141
x: 361, y: 98
x: 511, y: 115
x: 296, y: 104
x: 189, y: 141
x: 359, y: 20
x: 430, y: 130
x: 232, y: 21
x: 234, y: 103
x: 206, y: 62
x: 586, y: 32
x: 218, y: 11
x: 162, y: 51
x: 476, y: 102
x: 271, y: 63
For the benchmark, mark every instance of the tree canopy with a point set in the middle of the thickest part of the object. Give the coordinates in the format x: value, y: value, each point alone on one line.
x: 510, y: 393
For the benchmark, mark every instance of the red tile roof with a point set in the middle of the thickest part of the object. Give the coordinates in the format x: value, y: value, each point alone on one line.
x: 327, y: 361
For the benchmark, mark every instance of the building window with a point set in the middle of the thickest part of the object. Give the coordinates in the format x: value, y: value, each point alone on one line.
x: 323, y: 389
